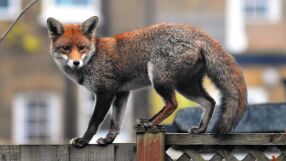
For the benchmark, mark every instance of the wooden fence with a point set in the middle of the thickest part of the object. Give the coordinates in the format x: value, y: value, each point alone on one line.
x: 155, y: 145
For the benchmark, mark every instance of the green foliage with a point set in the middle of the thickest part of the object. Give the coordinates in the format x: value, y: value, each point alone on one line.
x: 24, y: 38
x: 14, y: 36
x: 31, y: 43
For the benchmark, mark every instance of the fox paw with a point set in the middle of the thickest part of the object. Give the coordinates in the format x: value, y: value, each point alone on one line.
x: 78, y: 142
x: 144, y: 122
x: 104, y: 141
x: 197, y: 130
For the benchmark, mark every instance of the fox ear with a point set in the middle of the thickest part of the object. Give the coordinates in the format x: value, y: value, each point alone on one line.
x: 55, y: 28
x: 89, y: 26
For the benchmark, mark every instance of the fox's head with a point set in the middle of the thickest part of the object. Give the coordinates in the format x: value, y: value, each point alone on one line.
x: 72, y: 44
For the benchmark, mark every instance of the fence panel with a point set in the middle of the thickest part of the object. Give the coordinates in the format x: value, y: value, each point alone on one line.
x: 92, y: 153
x: 175, y: 147
x: 10, y: 153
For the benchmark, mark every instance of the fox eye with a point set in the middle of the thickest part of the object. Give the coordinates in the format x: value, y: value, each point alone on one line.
x: 82, y: 47
x: 66, y: 48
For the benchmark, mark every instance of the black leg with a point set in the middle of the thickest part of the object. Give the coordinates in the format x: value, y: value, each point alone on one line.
x: 103, y: 102
x: 118, y: 110
x: 199, y: 95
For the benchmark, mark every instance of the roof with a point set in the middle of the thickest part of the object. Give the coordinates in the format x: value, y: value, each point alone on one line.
x: 257, y: 118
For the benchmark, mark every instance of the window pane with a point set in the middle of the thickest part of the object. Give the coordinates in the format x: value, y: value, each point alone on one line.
x: 37, y: 119
x: 4, y: 3
x: 73, y: 2
x: 256, y: 8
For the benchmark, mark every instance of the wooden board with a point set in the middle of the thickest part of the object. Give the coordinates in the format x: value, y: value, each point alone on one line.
x: 44, y: 153
x: 113, y: 152
x: 226, y: 139
x: 150, y: 143
x: 10, y: 153
x: 92, y: 153
x: 125, y: 152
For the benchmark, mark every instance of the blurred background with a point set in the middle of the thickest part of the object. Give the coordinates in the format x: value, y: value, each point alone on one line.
x: 38, y: 104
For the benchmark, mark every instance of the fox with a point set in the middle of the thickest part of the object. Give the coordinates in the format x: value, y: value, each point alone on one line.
x: 169, y: 57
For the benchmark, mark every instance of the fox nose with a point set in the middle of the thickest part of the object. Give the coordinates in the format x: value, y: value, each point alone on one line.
x: 75, y: 63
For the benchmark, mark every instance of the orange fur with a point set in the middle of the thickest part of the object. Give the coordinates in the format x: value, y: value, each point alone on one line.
x: 74, y: 37
x: 75, y: 55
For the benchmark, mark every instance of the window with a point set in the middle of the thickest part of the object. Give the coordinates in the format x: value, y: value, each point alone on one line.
x: 70, y: 11
x: 263, y: 10
x: 36, y: 118
x: 72, y: 2
x: 9, y: 9
x: 256, y: 8
x: 4, y: 4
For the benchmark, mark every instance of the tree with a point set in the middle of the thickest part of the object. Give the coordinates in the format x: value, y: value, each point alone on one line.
x: 17, y: 19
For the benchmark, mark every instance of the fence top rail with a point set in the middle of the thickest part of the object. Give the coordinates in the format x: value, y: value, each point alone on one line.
x: 226, y: 139
x: 205, y: 139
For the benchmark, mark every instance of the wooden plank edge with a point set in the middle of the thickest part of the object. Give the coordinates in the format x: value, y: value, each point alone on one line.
x: 226, y: 139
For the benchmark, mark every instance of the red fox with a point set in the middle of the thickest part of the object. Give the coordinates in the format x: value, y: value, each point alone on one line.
x: 170, y: 57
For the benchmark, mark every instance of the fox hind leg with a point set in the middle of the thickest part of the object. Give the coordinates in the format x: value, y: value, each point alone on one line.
x: 199, y: 95
x: 169, y: 107
x: 163, y: 84
x: 169, y: 98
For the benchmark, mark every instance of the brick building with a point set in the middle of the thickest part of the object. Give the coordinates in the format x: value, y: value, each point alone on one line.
x: 38, y: 103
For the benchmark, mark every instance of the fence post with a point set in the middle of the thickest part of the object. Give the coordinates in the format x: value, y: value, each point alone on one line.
x: 150, y: 143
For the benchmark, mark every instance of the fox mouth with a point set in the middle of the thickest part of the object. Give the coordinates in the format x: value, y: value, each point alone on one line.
x: 75, y: 68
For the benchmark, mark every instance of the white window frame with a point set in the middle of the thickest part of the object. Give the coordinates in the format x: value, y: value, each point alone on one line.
x: 69, y: 13
x: 19, y: 117
x: 12, y: 10
x: 236, y: 37
x: 274, y: 14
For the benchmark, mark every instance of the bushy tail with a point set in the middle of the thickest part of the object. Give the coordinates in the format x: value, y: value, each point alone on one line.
x: 226, y: 75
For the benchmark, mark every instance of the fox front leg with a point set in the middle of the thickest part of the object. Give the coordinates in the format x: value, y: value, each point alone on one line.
x: 103, y: 102
x: 118, y: 110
